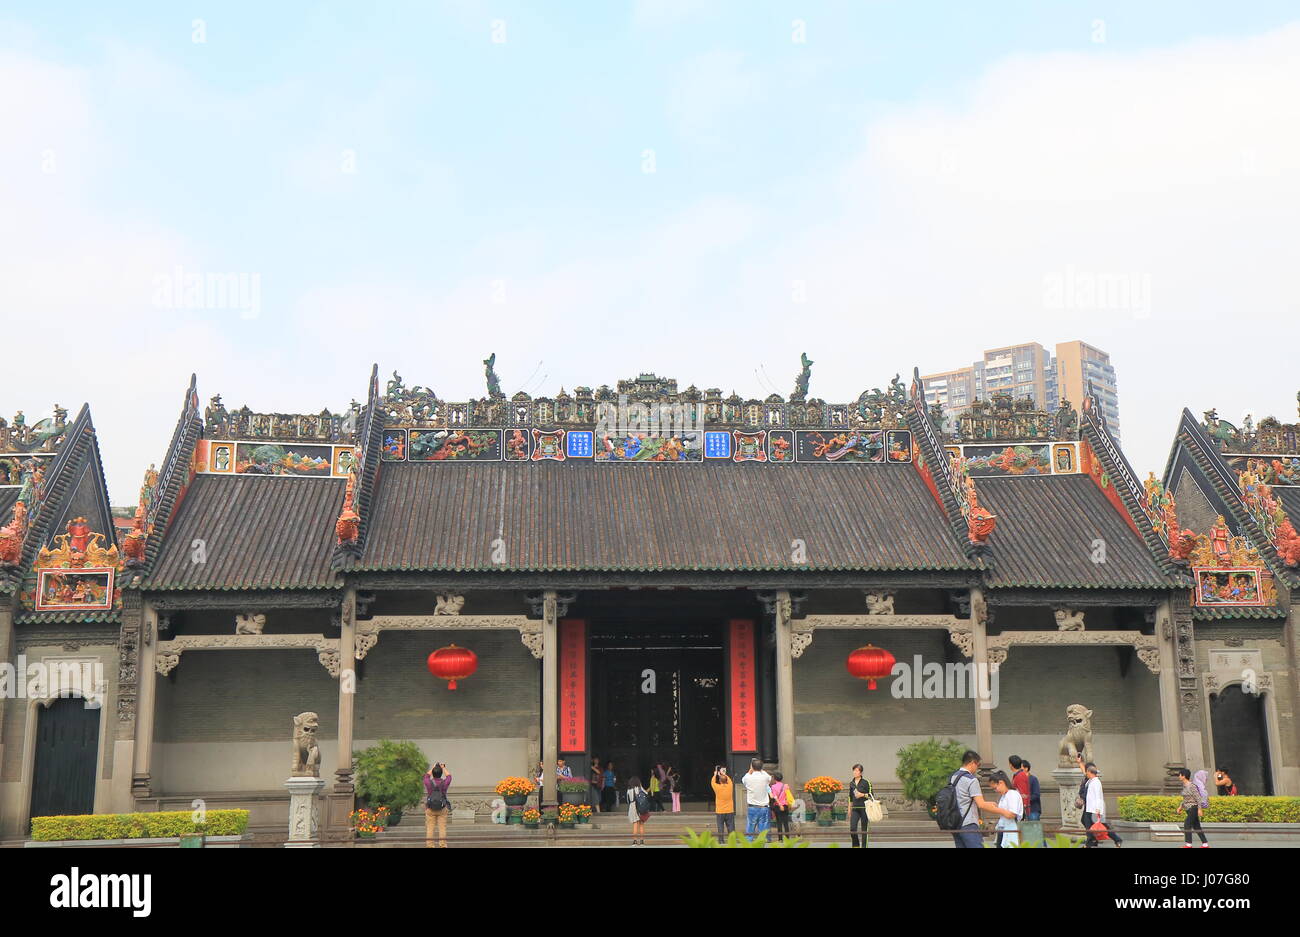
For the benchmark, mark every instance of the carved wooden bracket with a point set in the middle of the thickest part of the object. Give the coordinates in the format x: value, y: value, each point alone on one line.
x: 1146, y: 645
x: 169, y: 652
x: 802, y: 628
x: 530, y: 629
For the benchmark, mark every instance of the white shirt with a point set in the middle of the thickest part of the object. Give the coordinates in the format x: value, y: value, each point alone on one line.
x: 1094, y: 802
x: 757, y: 788
x: 1012, y: 801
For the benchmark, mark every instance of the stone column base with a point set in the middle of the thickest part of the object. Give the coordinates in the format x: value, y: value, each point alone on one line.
x: 1068, y: 780
x: 304, y: 816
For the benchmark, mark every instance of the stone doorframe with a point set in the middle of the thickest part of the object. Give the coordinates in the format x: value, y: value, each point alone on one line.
x: 530, y: 629
x: 102, y: 792
x: 1213, y: 681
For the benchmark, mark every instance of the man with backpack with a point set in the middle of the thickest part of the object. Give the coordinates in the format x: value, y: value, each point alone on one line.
x: 959, y: 804
x: 436, y: 805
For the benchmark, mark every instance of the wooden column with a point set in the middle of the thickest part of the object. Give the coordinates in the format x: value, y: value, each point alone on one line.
x: 550, y: 696
x: 347, y: 689
x: 785, y: 689
x: 1171, y: 723
x: 146, y: 695
x: 980, y: 657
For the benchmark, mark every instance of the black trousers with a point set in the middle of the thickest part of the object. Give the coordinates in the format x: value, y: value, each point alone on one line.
x: 1193, y: 822
x: 607, y: 796
x: 782, y: 820
x: 858, y: 816
x: 1088, y: 820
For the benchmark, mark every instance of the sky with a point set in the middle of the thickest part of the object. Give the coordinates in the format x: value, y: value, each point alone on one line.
x: 599, y: 189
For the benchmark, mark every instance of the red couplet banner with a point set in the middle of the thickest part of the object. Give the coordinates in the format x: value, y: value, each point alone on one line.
x: 573, y: 685
x: 744, y: 723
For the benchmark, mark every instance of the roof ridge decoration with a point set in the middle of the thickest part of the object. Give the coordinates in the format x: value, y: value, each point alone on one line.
x: 352, y: 524
x: 161, y: 492
x: 1228, y: 487
x: 43, y: 436
x: 937, y: 469
x: 1004, y: 418
x: 1270, y: 436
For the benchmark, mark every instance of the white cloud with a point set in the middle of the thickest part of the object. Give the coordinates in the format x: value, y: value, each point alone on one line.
x: 710, y: 90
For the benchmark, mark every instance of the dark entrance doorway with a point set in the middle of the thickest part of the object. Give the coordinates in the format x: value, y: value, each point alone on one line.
x: 1241, y: 739
x: 67, y: 745
x: 657, y: 683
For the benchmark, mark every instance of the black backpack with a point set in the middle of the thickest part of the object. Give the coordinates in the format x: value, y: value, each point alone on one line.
x: 948, y: 813
x: 642, y: 801
x: 437, y: 799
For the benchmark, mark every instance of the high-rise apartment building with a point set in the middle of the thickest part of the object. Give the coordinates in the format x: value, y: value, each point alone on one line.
x: 1030, y: 370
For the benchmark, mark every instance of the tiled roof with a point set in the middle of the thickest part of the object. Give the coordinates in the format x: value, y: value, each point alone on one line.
x: 258, y: 532
x: 1290, y: 499
x: 1201, y: 613
x: 8, y: 497
x: 702, y: 516
x: 1046, y: 532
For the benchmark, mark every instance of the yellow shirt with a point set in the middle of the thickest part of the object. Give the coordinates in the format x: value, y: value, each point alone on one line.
x: 724, y: 792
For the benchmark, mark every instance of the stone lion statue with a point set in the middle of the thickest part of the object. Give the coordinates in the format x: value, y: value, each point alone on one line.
x: 1068, y: 619
x: 498, y: 810
x: 306, y: 753
x: 251, y: 623
x: 449, y: 604
x: 1078, y: 737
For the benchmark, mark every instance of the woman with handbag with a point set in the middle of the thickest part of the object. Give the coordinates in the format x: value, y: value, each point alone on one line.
x: 860, y: 799
x: 782, y: 800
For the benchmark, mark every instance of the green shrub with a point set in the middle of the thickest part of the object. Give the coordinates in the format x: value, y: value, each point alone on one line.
x: 391, y: 774
x: 925, y: 767
x: 572, y: 787
x: 1161, y: 809
x: 166, y: 824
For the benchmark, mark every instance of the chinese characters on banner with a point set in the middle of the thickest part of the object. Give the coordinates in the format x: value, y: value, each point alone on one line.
x: 573, y: 685
x: 744, y: 737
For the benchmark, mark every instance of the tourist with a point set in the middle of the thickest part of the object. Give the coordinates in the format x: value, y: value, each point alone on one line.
x: 724, y: 801
x: 1094, y: 804
x: 608, y: 793
x: 657, y: 787
x: 1223, y: 783
x: 436, y: 805
x: 597, y: 781
x: 674, y: 783
x: 758, y: 796
x: 781, y: 802
x: 539, y: 777
x: 859, y: 792
x: 638, y: 810
x: 1034, y: 806
x: 970, y: 802
x: 562, y: 771
x: 1010, y: 800
x: 1019, y: 778
x: 1195, y: 796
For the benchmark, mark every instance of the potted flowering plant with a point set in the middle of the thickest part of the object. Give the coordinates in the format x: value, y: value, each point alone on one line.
x: 515, y: 791
x: 823, y: 789
x: 532, y: 818
x: 572, y: 792
x: 584, y: 814
x: 568, y: 816
x: 549, y: 816
x: 368, y: 823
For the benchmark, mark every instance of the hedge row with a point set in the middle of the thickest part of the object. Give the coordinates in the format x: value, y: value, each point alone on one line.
x: 1147, y: 809
x: 138, y: 825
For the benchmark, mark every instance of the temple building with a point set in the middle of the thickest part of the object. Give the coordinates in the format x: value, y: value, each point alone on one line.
x: 642, y: 573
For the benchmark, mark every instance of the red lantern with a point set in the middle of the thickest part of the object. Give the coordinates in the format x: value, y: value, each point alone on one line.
x: 870, y: 663
x: 453, y: 663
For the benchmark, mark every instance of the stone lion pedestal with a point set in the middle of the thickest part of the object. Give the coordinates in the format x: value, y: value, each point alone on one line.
x: 1068, y: 780
x: 304, y: 818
